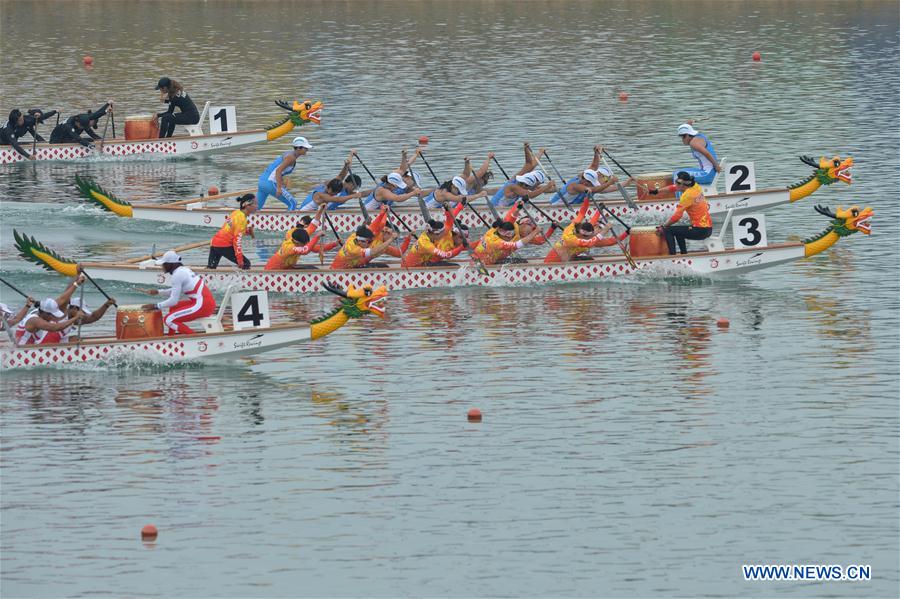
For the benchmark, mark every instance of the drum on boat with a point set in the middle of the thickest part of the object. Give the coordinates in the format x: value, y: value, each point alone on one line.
x: 134, y: 322
x: 645, y: 241
x: 654, y: 181
x: 142, y: 126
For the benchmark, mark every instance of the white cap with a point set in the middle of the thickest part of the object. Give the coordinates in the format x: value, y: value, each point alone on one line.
x: 397, y: 181
x: 687, y: 129
x: 169, y: 257
x: 301, y: 142
x: 6, y: 309
x: 460, y: 184
x: 76, y: 301
x: 591, y: 177
x: 539, y: 176
x: 604, y: 171
x: 50, y: 306
x: 416, y: 178
x: 527, y: 179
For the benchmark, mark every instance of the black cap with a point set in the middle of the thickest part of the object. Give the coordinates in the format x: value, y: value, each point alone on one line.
x: 164, y: 82
x: 246, y: 199
x: 364, y: 232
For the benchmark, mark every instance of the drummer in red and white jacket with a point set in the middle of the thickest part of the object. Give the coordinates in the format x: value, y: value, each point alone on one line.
x: 189, y: 297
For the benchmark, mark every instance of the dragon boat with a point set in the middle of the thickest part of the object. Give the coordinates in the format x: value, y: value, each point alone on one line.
x: 715, y: 261
x: 177, y: 146
x: 203, y: 213
x: 354, y: 303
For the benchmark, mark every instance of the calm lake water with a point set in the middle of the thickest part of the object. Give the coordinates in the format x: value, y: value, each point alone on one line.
x: 628, y: 448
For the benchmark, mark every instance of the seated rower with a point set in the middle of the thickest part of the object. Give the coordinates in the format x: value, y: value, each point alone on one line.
x: 189, y: 298
x: 40, y: 333
x: 335, y: 194
x: 69, y: 335
x: 595, y: 179
x: 310, y: 225
x: 500, y: 241
x: 35, y: 117
x: 451, y: 193
x: 581, y: 236
x: 44, y: 325
x: 298, y: 243
x: 378, y: 226
x: 359, y: 249
x: 228, y: 242
x: 9, y: 318
x: 70, y: 131
x: 18, y: 125
x: 702, y: 150
x: 394, y: 186
x: 528, y: 182
x: 479, y: 178
x: 436, y: 244
x: 694, y: 203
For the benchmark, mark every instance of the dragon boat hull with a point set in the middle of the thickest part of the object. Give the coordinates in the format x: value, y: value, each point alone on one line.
x: 179, y: 348
x: 172, y: 147
x: 346, y: 220
x: 309, y: 280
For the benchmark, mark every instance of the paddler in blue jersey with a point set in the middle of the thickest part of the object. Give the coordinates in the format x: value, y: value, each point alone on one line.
x: 335, y: 194
x: 702, y: 150
x: 594, y: 179
x: 395, y: 187
x: 528, y: 182
x: 271, y: 182
x: 461, y: 186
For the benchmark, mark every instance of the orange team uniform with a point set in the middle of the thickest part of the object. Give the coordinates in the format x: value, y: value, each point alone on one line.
x: 492, y: 248
x: 571, y: 245
x: 353, y: 256
x: 289, y: 252
x: 426, y: 252
x: 310, y: 229
x: 693, y: 202
x: 232, y: 234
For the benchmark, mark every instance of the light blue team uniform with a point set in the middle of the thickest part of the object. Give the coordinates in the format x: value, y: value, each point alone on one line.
x: 310, y: 204
x: 267, y: 184
x: 705, y: 174
x: 372, y: 203
x: 571, y: 198
x: 498, y: 199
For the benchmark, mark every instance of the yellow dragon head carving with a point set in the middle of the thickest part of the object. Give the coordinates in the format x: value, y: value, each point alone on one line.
x: 359, y: 301
x: 850, y: 220
x: 299, y: 114
x: 829, y: 170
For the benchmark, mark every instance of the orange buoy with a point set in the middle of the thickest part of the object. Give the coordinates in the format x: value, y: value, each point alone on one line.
x: 757, y: 56
x: 723, y: 323
x: 213, y: 190
x: 423, y: 140
x: 88, y: 60
x: 149, y: 532
x: 474, y: 415
x: 623, y: 97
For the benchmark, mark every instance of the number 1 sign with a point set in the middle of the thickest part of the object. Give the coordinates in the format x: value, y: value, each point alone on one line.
x: 222, y: 119
x: 250, y: 310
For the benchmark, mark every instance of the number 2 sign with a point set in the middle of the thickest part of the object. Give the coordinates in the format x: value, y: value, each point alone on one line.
x: 749, y: 231
x: 250, y: 310
x: 222, y: 119
x: 740, y: 177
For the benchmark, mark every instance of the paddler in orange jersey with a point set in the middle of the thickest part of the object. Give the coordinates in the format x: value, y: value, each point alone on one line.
x: 227, y: 242
x: 505, y: 237
x: 436, y: 244
x: 692, y: 202
x: 310, y: 225
x: 359, y: 249
x: 298, y: 244
x: 378, y: 225
x: 581, y: 236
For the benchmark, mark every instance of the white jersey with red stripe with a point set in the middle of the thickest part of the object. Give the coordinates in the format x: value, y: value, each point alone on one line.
x: 26, y: 337
x: 185, y: 285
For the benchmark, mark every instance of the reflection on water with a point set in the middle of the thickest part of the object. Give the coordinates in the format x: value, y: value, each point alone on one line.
x: 621, y: 428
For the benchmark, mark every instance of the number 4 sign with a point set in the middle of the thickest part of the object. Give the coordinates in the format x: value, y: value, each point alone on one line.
x: 749, y: 231
x: 222, y: 119
x: 740, y: 177
x: 250, y: 310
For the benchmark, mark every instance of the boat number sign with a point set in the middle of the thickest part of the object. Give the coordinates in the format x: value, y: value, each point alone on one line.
x: 749, y: 231
x: 250, y: 310
x: 740, y: 177
x: 222, y: 119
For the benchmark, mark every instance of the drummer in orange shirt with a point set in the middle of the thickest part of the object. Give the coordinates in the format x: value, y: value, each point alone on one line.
x: 227, y: 242
x: 692, y: 202
x: 581, y: 236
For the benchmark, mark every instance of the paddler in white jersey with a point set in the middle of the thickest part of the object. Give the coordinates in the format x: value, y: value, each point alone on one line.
x: 529, y: 182
x: 594, y: 179
x: 189, y: 298
x: 395, y: 187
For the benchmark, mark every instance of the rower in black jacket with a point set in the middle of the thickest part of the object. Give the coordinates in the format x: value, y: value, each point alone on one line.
x: 71, y: 130
x: 11, y: 132
x: 172, y: 93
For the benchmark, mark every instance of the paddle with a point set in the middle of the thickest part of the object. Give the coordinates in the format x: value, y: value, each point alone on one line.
x: 333, y: 230
x: 80, y: 307
x: 112, y: 117
x: 562, y: 190
x: 105, y: 127
x: 602, y: 208
x: 390, y: 209
x: 180, y: 248
x: 544, y: 214
x: 478, y: 187
x: 100, y: 289
x: 631, y: 204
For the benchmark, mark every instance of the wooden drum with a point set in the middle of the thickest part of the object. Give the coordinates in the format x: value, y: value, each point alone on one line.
x: 645, y: 241
x: 141, y: 126
x: 654, y: 181
x: 133, y: 322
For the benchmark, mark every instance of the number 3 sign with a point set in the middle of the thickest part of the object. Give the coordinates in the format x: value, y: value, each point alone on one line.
x: 222, y: 119
x: 250, y: 310
x: 749, y: 231
x: 740, y: 177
